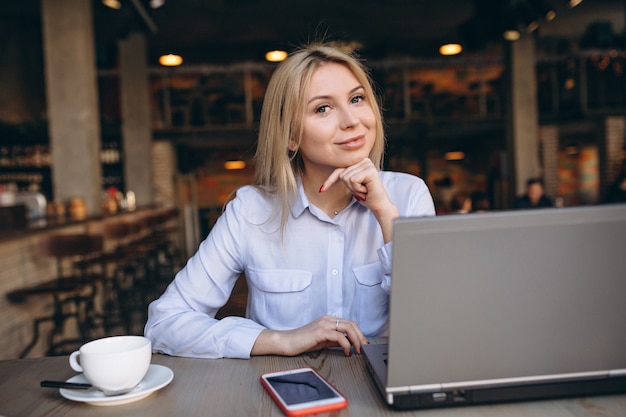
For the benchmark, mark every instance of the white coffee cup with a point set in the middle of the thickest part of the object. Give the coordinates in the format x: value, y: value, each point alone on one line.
x: 113, y: 364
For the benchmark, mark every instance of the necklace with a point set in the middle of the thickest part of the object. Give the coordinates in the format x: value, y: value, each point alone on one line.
x: 336, y: 212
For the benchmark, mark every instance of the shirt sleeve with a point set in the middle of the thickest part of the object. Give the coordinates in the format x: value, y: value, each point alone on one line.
x: 413, y: 199
x: 182, y: 321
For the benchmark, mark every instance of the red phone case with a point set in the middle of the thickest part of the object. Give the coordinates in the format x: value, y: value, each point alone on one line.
x: 310, y: 410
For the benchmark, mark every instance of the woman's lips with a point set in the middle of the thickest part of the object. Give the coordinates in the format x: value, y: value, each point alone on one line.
x: 353, y: 143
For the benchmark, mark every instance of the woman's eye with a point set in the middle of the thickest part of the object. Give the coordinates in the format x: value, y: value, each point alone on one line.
x: 357, y: 99
x: 322, y: 109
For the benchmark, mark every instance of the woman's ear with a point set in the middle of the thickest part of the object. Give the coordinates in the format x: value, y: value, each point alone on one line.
x: 293, y: 146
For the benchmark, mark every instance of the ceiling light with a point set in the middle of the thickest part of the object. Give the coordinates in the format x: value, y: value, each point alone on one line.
x: 231, y: 165
x: 155, y: 4
x: 511, y: 35
x: 450, y: 49
x: 275, y: 56
x: 170, y: 60
x: 532, y: 25
x: 113, y: 4
x: 455, y: 156
x: 574, y: 3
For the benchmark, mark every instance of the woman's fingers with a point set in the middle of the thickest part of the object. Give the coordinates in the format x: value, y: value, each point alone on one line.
x: 325, y: 332
x: 350, y: 332
x: 332, y: 179
x: 355, y: 178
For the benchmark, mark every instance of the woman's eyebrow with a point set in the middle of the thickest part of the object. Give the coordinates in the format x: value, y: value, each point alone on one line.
x: 326, y: 97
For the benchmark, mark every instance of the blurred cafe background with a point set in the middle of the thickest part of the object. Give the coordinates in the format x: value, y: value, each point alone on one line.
x: 126, y: 124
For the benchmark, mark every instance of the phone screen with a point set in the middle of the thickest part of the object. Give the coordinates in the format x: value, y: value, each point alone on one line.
x: 301, y: 387
x: 302, y: 391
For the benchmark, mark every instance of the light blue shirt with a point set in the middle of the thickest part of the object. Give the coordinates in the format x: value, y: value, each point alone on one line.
x: 337, y: 266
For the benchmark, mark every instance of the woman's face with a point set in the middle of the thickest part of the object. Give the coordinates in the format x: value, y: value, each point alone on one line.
x: 339, y: 123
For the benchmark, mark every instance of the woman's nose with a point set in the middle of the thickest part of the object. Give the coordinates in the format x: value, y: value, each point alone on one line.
x: 348, y: 118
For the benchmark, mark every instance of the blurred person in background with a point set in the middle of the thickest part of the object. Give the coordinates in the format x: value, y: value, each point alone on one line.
x: 461, y: 203
x: 535, y: 196
x: 480, y: 202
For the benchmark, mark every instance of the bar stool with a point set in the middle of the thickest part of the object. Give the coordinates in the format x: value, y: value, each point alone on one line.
x: 125, y: 268
x: 166, y: 256
x: 116, y: 268
x: 73, y: 291
x: 132, y: 273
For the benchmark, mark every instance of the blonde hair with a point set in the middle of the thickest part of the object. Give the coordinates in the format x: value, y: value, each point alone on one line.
x: 277, y: 168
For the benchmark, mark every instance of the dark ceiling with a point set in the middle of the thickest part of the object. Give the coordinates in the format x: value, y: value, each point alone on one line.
x: 206, y: 31
x: 224, y: 31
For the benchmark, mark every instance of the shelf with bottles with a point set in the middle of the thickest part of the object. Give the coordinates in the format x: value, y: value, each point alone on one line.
x: 112, y: 159
x: 24, y: 156
x: 26, y: 167
x: 111, y: 153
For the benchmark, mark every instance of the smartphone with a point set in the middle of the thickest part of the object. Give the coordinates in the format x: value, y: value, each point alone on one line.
x: 302, y: 391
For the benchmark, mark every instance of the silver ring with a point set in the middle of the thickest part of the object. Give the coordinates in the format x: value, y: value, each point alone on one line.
x: 337, y: 326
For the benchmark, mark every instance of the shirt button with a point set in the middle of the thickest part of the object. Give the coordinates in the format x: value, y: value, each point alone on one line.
x: 334, y: 272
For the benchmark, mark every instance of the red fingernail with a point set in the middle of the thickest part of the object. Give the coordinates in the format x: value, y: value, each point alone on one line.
x: 321, y: 188
x: 359, y: 198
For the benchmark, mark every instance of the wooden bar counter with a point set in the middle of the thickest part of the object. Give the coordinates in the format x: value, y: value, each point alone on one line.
x: 230, y: 387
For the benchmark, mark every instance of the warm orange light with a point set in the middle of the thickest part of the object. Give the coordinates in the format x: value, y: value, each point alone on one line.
x: 113, y: 4
x: 511, y: 35
x: 275, y: 56
x: 170, y: 60
x: 231, y: 165
x: 455, y: 156
x: 450, y: 49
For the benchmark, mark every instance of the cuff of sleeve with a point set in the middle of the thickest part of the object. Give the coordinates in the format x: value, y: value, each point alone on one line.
x: 240, y: 343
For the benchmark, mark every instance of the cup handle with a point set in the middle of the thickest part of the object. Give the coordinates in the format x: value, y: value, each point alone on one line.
x: 74, y: 361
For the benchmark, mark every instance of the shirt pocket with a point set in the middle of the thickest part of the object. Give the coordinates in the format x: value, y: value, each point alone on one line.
x: 371, y: 300
x: 279, y: 299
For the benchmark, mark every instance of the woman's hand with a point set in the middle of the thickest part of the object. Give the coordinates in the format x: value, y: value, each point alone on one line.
x: 325, y: 332
x: 363, y: 181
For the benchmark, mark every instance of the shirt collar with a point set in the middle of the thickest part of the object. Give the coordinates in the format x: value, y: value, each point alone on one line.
x: 302, y: 202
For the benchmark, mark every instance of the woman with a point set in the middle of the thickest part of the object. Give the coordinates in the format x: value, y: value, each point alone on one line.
x: 312, y: 235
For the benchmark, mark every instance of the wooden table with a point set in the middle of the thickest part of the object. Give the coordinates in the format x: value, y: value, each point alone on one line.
x: 230, y: 387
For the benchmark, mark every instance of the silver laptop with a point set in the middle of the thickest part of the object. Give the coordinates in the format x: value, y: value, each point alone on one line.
x: 505, y: 306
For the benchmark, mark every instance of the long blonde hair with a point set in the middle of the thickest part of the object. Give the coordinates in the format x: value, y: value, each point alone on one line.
x: 277, y: 168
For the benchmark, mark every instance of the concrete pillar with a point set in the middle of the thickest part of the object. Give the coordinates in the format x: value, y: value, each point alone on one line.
x: 164, y: 169
x: 523, y: 116
x: 136, y: 132
x: 72, y: 101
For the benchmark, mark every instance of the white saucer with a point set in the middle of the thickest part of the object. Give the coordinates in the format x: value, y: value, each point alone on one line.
x: 156, y: 378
